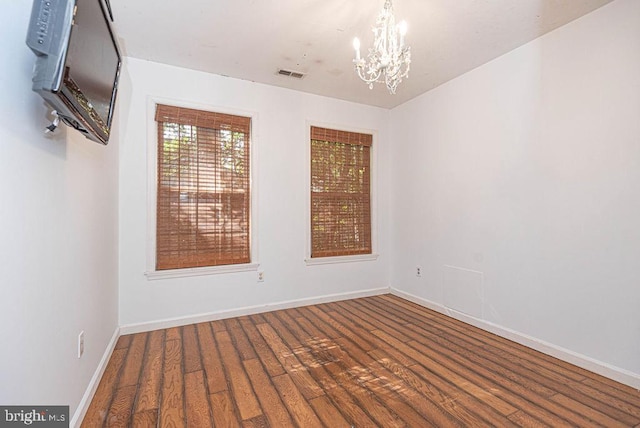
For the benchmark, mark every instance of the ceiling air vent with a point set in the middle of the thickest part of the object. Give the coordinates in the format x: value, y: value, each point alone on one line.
x: 289, y: 73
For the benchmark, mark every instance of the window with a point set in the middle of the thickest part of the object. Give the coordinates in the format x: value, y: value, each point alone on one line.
x: 340, y: 193
x: 203, y: 193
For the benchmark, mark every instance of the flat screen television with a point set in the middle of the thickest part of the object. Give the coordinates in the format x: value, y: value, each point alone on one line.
x: 78, y: 62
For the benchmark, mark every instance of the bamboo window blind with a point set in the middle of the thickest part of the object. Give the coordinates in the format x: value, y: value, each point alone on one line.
x: 340, y: 193
x: 203, y: 194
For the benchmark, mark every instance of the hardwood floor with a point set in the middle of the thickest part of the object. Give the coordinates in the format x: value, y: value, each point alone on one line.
x: 376, y: 361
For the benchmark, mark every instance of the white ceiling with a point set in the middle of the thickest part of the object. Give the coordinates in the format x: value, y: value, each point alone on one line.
x: 252, y: 39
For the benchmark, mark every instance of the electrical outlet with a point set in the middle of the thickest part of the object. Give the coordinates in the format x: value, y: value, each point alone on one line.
x: 260, y: 276
x: 81, y: 344
x: 418, y: 271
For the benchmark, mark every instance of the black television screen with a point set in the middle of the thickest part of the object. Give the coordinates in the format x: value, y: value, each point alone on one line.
x: 78, y: 63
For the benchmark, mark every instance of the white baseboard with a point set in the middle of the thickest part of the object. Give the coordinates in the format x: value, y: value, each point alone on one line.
x: 249, y: 310
x: 604, y: 369
x: 81, y: 411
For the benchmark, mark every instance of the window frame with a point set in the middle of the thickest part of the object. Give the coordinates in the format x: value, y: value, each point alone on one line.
x: 152, y: 187
x: 373, y: 195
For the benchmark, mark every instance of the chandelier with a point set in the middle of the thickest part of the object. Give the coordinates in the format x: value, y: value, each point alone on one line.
x: 389, y: 59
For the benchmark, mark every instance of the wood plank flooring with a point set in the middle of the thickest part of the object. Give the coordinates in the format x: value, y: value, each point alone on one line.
x: 376, y: 361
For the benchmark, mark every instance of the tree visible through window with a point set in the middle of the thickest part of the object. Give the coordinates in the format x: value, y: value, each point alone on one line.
x: 340, y: 193
x: 203, y: 196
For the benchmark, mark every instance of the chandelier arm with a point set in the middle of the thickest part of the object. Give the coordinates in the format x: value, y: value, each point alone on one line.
x: 376, y: 76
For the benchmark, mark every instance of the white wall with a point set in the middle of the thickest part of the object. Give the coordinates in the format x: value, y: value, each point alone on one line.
x: 526, y: 173
x: 58, y: 239
x: 280, y: 140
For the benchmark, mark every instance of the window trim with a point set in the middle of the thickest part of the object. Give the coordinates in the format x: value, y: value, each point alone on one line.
x: 373, y: 177
x: 152, y: 177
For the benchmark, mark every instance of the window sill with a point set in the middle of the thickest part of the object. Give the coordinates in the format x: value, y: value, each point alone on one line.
x: 340, y: 259
x: 202, y: 271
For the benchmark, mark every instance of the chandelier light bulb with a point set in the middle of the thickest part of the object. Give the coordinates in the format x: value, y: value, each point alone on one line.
x: 403, y: 28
